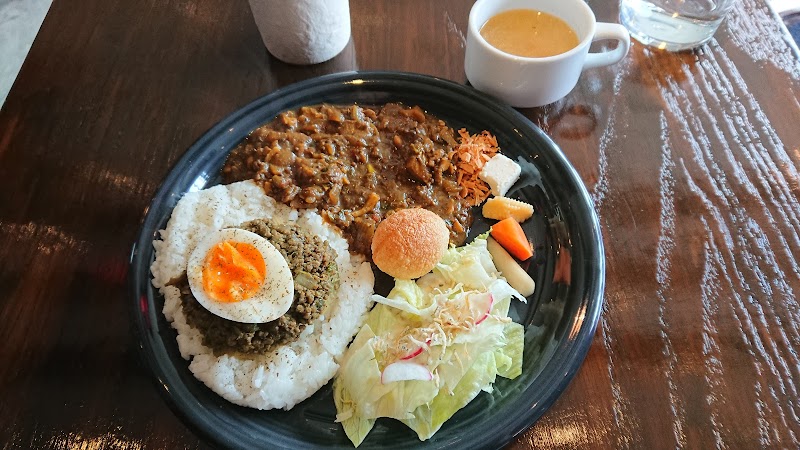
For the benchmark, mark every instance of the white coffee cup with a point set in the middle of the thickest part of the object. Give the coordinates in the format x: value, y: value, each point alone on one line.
x: 525, y: 82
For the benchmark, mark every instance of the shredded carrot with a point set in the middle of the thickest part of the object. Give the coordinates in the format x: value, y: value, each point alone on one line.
x: 470, y: 155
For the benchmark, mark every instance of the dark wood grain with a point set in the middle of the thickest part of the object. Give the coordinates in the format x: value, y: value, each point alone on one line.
x: 693, y: 161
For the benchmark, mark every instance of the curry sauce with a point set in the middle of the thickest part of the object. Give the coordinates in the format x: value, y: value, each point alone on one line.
x: 356, y: 165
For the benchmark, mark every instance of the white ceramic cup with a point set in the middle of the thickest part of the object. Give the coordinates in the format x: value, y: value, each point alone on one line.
x: 527, y: 82
x: 303, y: 31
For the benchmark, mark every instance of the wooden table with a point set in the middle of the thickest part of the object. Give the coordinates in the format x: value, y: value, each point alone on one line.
x: 692, y: 159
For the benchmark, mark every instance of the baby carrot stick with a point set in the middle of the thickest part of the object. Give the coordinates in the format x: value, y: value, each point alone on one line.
x: 510, y: 235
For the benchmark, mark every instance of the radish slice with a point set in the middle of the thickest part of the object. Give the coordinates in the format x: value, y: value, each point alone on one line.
x: 412, y: 354
x: 403, y: 371
x: 417, y: 351
x: 480, y: 305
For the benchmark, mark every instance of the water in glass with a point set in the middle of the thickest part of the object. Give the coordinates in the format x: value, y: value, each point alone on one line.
x: 673, y: 24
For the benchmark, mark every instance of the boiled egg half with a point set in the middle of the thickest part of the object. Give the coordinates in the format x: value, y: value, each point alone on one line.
x: 240, y: 276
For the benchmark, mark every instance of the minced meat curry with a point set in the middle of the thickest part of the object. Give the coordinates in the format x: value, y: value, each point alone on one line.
x: 316, y: 280
x: 356, y: 165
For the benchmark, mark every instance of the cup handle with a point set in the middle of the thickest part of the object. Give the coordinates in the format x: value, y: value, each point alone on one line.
x: 612, y: 31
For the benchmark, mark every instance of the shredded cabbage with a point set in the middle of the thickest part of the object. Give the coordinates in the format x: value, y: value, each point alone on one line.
x: 453, y: 321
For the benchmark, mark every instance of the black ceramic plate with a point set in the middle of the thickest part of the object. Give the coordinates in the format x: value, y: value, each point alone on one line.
x: 559, y: 318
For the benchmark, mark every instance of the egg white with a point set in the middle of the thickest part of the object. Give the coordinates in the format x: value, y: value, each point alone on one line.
x: 273, y: 298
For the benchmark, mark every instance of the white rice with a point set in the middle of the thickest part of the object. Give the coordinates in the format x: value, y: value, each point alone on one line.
x: 294, y: 371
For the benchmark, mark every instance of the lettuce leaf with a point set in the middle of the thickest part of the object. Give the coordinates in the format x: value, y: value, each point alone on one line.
x: 509, y: 357
x: 431, y: 323
x: 429, y: 418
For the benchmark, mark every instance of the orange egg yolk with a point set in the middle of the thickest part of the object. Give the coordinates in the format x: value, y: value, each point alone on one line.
x: 233, y: 271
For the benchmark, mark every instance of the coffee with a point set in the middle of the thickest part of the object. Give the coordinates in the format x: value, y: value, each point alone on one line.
x: 529, y: 33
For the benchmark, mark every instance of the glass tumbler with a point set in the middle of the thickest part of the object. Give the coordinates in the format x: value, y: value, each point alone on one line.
x: 673, y: 25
